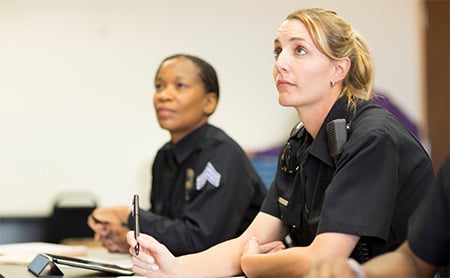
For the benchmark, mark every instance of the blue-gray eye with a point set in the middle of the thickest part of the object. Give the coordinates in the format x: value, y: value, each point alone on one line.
x: 300, y: 51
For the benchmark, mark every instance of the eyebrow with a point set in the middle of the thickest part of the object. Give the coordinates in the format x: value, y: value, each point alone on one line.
x: 290, y: 40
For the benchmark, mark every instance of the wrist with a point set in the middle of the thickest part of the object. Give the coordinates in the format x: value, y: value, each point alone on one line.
x: 356, y: 268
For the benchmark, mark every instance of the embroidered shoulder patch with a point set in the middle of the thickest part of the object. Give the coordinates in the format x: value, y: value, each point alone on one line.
x: 209, y: 174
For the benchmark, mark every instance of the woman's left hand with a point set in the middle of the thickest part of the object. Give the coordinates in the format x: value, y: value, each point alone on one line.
x: 253, y: 247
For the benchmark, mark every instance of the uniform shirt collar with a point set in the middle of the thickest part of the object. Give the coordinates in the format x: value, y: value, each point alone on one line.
x: 319, y: 147
x: 186, y: 146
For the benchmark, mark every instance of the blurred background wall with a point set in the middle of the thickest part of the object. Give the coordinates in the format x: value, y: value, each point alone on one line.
x: 76, y: 84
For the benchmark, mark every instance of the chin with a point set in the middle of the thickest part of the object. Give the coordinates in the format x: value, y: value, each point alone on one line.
x: 166, y: 125
x: 283, y: 102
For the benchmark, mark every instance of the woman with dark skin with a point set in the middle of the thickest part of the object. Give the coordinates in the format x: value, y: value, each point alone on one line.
x: 204, y: 189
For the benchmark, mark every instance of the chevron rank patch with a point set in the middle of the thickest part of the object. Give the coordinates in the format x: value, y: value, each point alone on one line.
x: 209, y: 174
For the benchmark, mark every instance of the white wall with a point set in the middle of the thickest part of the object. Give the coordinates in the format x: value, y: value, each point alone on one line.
x: 76, y: 83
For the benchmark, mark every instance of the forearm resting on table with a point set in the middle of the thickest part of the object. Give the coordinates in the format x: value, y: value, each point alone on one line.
x: 286, y: 263
x: 296, y: 261
x: 221, y: 260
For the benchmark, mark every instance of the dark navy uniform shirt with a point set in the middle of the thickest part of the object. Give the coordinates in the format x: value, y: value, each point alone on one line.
x: 212, y: 194
x: 370, y: 191
x: 428, y: 232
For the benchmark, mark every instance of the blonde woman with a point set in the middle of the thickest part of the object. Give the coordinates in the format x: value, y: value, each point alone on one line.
x: 348, y: 177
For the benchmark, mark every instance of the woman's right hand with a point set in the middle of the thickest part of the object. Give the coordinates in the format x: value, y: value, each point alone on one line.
x: 154, y: 259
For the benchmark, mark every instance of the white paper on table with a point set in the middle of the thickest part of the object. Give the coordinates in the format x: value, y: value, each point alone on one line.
x: 24, y: 253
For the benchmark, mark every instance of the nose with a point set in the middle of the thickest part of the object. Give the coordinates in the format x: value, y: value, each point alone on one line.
x: 164, y: 94
x: 281, y: 62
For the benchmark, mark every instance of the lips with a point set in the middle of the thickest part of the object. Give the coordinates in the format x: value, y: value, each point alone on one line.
x: 164, y: 111
x: 282, y: 83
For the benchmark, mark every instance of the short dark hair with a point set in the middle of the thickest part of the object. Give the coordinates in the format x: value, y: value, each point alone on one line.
x: 208, y: 74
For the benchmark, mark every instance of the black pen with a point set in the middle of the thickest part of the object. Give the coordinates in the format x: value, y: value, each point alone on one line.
x: 135, y: 214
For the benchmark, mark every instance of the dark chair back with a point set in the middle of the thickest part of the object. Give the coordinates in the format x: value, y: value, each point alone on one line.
x: 69, y: 216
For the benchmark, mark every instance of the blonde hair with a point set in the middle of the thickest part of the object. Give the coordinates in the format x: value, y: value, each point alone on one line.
x: 336, y: 39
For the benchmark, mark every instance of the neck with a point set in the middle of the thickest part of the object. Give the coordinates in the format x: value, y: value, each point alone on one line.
x: 313, y: 116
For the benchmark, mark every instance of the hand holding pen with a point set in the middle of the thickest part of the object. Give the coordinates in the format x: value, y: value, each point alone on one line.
x: 135, y: 214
